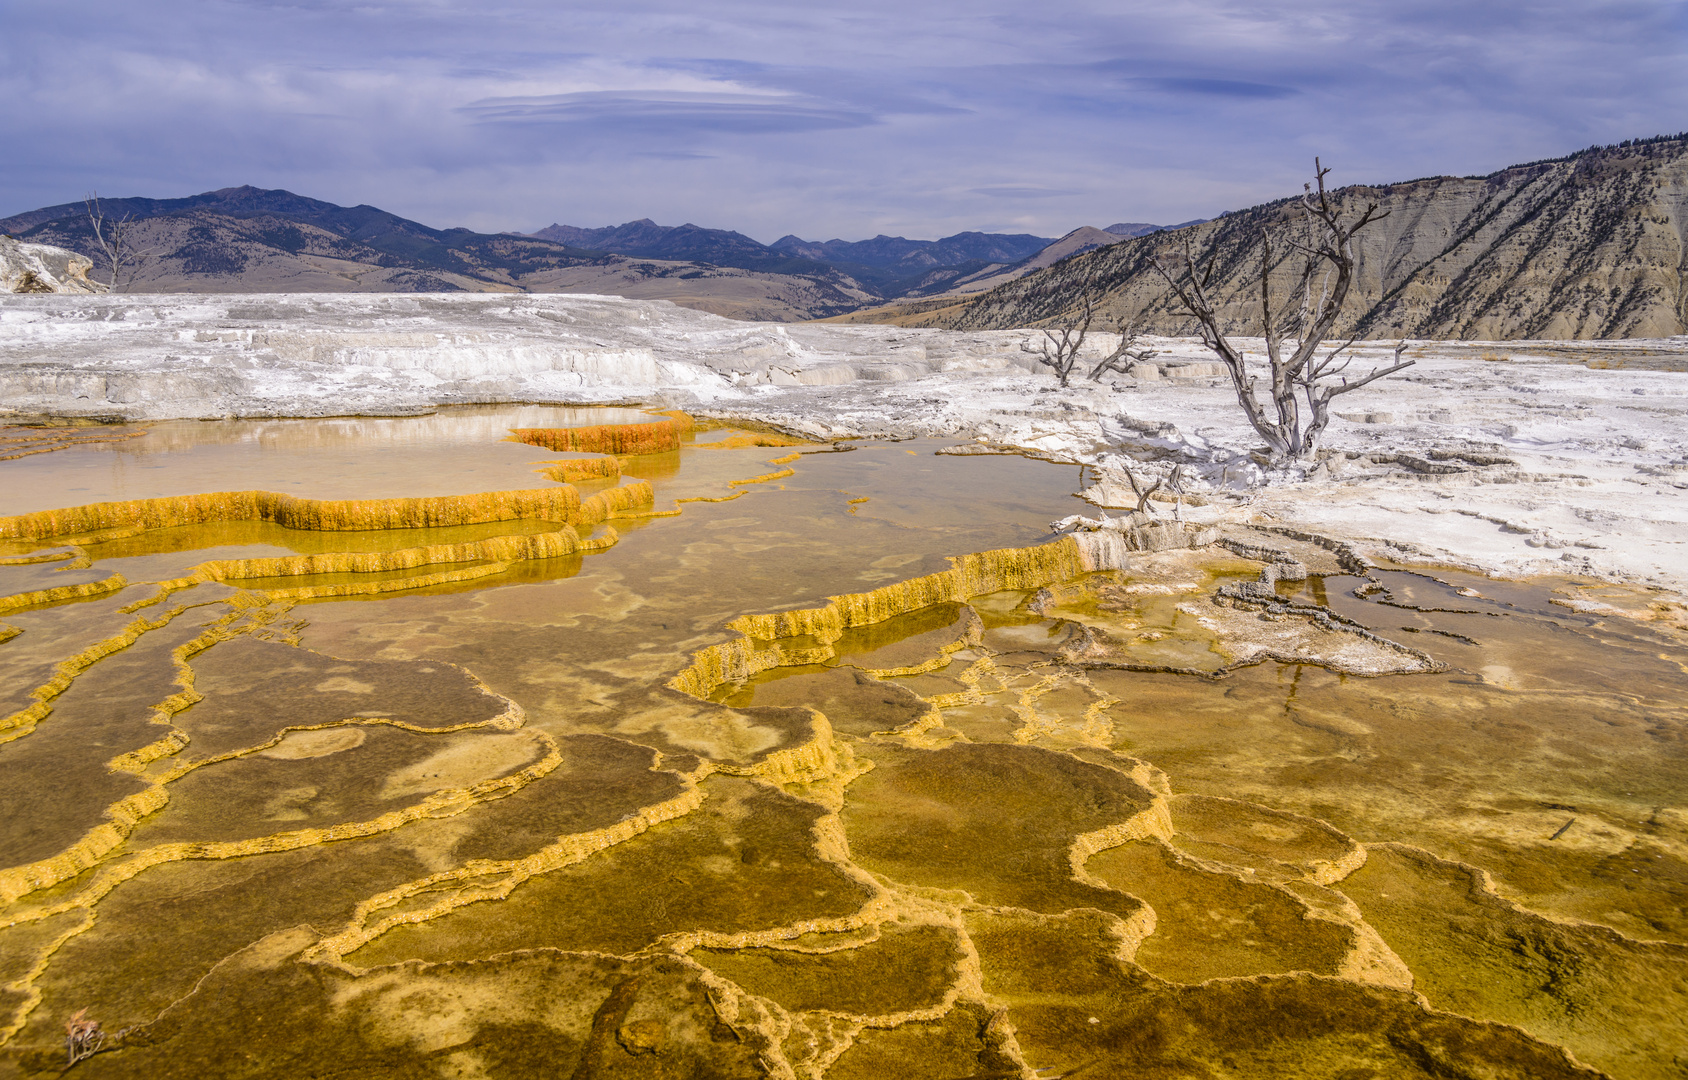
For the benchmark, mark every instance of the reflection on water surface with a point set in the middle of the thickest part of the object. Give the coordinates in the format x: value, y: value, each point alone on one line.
x: 510, y: 797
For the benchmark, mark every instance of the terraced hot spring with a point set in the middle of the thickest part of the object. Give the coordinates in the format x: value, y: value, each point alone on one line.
x: 372, y: 747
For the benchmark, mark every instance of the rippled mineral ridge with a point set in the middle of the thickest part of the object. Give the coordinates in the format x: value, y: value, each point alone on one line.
x: 357, y: 747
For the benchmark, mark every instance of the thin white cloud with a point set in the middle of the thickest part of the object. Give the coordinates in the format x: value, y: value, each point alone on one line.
x: 1022, y: 191
x: 673, y: 113
x: 842, y: 120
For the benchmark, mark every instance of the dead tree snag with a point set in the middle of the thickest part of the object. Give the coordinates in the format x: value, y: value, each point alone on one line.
x: 1060, y: 348
x: 115, y: 242
x: 1295, y: 327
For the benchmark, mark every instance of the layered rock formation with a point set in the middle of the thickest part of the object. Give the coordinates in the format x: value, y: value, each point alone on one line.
x: 1098, y: 800
x: 42, y: 268
x: 1593, y: 245
x: 127, y: 355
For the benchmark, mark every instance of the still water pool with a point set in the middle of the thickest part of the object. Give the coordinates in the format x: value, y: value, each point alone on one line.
x: 364, y: 746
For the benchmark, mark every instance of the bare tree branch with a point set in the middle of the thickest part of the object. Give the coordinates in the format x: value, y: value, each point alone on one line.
x: 1345, y: 385
x: 1188, y: 288
x: 1143, y: 506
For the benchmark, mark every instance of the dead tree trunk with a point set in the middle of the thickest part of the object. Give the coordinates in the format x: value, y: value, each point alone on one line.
x: 113, y: 239
x: 1295, y: 328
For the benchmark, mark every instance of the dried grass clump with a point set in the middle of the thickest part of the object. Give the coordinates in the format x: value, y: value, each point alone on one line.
x: 82, y: 1036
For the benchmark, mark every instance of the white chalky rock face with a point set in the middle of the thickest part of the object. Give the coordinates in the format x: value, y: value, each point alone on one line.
x: 149, y: 357
x: 1510, y: 457
x: 42, y: 268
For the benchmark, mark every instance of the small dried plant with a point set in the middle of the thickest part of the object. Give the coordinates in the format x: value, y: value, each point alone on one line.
x: 82, y: 1036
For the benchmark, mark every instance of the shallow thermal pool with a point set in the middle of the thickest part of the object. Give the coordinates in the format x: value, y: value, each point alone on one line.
x: 368, y: 747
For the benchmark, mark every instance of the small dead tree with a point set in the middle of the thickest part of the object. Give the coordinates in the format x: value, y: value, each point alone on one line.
x: 1295, y: 327
x: 1126, y: 355
x: 1061, y: 346
x: 114, y: 239
x: 1060, y: 352
x: 1145, y: 508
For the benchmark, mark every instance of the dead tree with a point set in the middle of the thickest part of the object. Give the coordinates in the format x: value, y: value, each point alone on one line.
x: 1125, y: 356
x: 1295, y: 328
x: 1061, y: 346
x: 1060, y: 353
x: 1144, y: 507
x: 114, y: 241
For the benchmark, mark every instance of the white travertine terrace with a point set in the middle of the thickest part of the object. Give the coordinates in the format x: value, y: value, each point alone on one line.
x: 1516, y: 464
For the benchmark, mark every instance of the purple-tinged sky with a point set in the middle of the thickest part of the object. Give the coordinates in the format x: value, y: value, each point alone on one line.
x: 827, y: 120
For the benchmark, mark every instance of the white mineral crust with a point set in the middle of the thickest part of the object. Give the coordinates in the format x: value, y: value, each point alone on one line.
x: 42, y: 268
x: 1531, y: 464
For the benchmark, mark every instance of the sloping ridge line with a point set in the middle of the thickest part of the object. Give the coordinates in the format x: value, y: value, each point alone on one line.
x: 1594, y: 245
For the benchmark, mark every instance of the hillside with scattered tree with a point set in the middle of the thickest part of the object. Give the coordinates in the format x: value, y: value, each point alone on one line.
x: 1592, y: 245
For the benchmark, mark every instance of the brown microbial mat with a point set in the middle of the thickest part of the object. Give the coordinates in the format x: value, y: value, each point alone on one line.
x: 513, y: 742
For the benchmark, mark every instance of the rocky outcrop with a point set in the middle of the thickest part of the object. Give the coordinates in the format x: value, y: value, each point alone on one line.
x: 42, y: 268
x: 1593, y: 245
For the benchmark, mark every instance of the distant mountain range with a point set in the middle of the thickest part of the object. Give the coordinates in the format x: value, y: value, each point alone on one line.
x: 1590, y: 245
x: 691, y: 243
x: 917, y: 255
x: 248, y: 239
x: 888, y: 266
x: 1593, y: 244
x: 646, y: 238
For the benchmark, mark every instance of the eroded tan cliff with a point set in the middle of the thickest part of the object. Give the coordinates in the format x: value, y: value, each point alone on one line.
x: 1589, y: 246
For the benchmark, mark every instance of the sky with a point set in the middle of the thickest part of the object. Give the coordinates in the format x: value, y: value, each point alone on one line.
x: 823, y: 119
